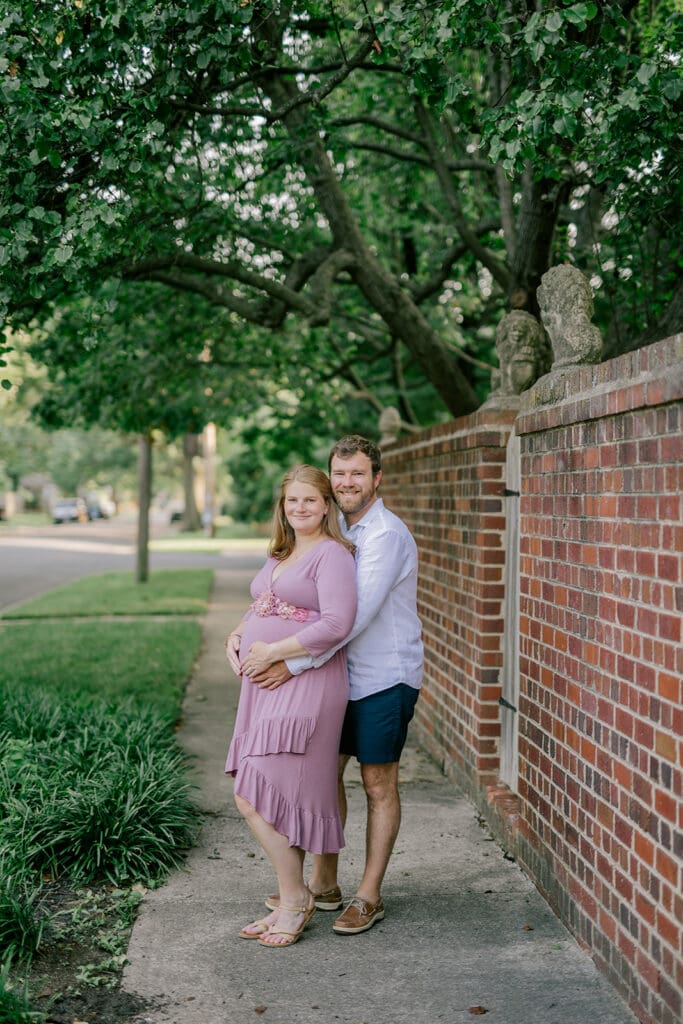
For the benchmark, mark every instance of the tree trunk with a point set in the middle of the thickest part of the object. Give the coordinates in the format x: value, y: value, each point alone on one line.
x: 144, y: 501
x: 541, y: 202
x: 191, y: 520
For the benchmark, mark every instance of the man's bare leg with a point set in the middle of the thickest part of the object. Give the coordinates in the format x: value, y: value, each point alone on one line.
x: 325, y: 865
x: 384, y: 820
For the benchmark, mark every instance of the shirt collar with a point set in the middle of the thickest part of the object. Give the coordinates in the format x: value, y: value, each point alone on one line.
x: 366, y: 519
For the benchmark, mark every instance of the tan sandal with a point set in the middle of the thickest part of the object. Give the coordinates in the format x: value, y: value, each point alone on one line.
x: 308, y: 913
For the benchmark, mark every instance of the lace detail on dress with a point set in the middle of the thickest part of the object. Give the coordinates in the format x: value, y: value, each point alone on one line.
x: 268, y: 604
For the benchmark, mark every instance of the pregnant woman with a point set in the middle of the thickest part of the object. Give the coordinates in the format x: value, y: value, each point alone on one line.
x: 285, y: 745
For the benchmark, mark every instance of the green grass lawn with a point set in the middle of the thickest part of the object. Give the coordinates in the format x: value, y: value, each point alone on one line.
x: 94, y: 787
x: 26, y: 519
x: 146, y: 661
x: 167, y: 592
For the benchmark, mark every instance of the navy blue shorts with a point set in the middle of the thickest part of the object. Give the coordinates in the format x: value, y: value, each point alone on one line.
x: 375, y: 727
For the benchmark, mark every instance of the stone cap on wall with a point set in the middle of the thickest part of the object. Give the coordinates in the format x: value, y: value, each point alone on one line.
x: 646, y: 377
x: 484, y: 428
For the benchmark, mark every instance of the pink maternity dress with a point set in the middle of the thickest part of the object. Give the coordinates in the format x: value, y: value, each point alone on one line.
x: 285, y: 745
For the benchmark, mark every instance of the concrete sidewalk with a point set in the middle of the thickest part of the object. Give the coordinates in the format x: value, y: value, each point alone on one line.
x: 465, y: 933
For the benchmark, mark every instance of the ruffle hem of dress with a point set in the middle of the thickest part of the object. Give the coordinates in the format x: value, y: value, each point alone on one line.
x: 311, y: 832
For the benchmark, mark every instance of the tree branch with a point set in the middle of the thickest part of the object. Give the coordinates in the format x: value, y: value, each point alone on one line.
x: 313, y: 97
x: 402, y: 133
x: 320, y: 288
x: 215, y: 295
x: 417, y: 158
x: 485, y: 257
x: 400, y: 383
x: 382, y: 126
x: 426, y: 289
x: 320, y: 69
x: 231, y: 269
x: 319, y: 267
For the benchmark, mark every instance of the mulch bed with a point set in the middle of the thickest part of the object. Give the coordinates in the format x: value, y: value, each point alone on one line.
x: 72, y: 941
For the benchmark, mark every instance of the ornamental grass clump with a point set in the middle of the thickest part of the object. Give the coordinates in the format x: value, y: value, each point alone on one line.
x: 96, y: 791
x: 130, y: 819
x: 21, y: 921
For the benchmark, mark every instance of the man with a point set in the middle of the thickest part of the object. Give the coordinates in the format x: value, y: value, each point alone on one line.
x: 384, y: 652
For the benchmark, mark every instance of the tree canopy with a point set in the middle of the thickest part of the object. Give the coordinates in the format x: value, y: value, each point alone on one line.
x: 366, y: 188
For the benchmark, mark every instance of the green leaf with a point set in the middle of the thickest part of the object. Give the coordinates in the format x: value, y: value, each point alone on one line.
x: 580, y: 14
x: 645, y: 73
x: 630, y: 98
x: 672, y: 88
x: 63, y: 254
x: 565, y: 125
x: 537, y: 50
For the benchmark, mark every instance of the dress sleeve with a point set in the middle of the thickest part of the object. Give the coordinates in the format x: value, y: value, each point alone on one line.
x: 335, y: 580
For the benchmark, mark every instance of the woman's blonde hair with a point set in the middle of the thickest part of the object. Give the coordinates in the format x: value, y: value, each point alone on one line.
x: 282, y: 539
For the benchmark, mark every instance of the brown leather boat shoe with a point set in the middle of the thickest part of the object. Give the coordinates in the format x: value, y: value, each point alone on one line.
x: 359, y: 915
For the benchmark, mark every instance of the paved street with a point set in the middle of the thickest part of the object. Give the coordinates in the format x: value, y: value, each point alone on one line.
x: 36, y: 559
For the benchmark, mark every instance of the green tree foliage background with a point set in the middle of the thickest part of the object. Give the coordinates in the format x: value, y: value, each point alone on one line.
x: 331, y: 204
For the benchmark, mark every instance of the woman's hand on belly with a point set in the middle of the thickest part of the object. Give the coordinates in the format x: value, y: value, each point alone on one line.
x: 232, y: 653
x: 258, y: 659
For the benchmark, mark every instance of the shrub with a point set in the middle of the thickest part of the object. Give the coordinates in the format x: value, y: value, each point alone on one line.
x: 91, y: 789
x: 132, y: 819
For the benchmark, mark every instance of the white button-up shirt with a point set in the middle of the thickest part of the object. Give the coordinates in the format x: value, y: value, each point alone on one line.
x: 385, y: 645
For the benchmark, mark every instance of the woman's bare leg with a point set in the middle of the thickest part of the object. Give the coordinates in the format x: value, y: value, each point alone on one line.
x: 287, y: 863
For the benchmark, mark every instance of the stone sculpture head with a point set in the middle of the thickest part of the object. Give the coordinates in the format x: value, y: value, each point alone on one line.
x: 389, y: 425
x: 522, y: 352
x: 565, y: 299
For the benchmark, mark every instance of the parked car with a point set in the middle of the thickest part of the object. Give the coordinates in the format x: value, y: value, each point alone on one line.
x: 70, y: 510
x: 96, y: 511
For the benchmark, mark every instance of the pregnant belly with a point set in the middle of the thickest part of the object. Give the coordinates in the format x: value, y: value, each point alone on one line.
x: 270, y: 628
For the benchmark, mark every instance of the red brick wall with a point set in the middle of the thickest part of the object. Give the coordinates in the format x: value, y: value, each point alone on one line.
x: 447, y: 485
x: 598, y: 818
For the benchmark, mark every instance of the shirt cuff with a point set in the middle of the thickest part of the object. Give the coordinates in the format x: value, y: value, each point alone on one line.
x: 298, y: 665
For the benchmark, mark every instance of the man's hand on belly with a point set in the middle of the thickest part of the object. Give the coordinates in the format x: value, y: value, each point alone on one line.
x: 272, y: 677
